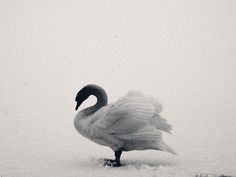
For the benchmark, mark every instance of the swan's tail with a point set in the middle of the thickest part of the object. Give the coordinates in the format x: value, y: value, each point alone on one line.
x: 164, y: 147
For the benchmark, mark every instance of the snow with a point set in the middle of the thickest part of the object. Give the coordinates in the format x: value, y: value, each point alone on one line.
x: 182, y: 53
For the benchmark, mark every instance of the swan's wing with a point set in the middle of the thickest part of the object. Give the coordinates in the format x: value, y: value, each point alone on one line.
x: 129, y: 114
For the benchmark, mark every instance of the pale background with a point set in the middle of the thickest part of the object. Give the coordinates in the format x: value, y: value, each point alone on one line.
x: 181, y: 52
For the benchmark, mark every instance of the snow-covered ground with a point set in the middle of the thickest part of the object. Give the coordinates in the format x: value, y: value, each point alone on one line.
x: 181, y: 52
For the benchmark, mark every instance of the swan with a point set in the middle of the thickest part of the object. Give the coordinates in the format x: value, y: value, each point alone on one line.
x: 131, y: 123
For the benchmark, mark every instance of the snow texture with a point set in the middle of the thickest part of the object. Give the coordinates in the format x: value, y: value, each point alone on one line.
x: 181, y: 52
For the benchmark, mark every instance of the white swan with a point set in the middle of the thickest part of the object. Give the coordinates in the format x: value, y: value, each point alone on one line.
x: 131, y: 123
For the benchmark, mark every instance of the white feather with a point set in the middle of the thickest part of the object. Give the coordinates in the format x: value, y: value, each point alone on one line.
x: 132, y: 123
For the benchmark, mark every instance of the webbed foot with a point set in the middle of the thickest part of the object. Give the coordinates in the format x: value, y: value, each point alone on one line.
x: 112, y: 163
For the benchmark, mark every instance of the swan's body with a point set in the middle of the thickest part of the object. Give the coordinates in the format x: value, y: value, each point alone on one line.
x: 131, y: 123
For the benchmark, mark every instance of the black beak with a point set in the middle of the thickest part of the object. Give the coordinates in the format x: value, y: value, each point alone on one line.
x: 77, y: 106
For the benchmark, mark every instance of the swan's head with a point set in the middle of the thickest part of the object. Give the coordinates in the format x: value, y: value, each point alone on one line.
x: 88, y: 90
x: 82, y: 95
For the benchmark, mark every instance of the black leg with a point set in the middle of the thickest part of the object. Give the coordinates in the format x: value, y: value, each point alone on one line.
x: 116, y: 162
x: 117, y: 155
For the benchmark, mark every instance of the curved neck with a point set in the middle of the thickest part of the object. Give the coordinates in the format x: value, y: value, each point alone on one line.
x: 101, y: 96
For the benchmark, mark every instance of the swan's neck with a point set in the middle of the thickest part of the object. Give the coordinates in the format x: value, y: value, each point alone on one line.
x: 101, y: 96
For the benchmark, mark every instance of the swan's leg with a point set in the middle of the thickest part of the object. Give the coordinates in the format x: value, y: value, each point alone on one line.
x: 117, y: 155
x: 116, y: 162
